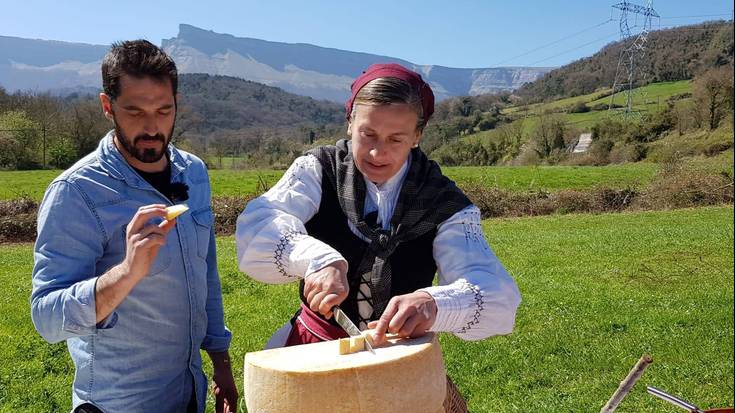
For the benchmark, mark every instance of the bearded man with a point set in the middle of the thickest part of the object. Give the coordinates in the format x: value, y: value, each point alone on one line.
x: 134, y: 295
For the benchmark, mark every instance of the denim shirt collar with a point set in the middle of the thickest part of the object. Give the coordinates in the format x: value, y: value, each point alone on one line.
x: 113, y: 162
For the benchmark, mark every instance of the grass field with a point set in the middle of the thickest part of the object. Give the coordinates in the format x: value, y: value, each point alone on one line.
x: 553, y: 178
x: 645, y: 95
x: 598, y: 291
x: 14, y: 184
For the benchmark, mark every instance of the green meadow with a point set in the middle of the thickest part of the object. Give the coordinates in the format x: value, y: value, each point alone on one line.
x: 598, y: 291
x: 233, y: 182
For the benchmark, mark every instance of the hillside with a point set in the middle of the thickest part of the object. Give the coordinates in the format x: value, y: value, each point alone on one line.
x: 671, y: 54
x: 223, y: 102
x: 669, y: 122
x: 46, y: 65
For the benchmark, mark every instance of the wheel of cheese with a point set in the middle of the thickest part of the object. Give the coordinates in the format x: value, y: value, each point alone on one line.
x: 404, y: 375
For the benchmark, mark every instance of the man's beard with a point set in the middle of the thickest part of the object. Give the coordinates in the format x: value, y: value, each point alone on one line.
x: 145, y: 155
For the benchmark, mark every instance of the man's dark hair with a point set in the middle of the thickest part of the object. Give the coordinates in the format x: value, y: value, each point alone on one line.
x: 136, y: 58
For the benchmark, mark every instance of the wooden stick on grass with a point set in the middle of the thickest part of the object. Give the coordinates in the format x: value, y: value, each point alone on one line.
x: 627, y: 384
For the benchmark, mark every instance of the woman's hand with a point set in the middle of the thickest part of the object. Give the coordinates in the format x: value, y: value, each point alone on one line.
x: 326, y: 288
x: 408, y: 315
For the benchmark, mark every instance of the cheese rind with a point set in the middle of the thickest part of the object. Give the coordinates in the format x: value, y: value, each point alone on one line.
x: 404, y: 375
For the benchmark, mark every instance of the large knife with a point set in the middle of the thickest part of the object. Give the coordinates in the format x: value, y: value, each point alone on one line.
x: 349, y: 326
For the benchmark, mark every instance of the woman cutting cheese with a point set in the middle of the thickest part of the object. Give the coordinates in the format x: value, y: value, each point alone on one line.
x: 367, y: 223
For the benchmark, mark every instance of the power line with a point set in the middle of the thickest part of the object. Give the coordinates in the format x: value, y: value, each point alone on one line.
x: 573, y: 49
x: 687, y: 29
x: 594, y: 27
x: 691, y: 17
x: 553, y: 43
x: 599, y: 39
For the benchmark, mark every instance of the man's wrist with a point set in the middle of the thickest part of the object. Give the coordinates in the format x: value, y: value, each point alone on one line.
x: 220, y: 359
x: 126, y: 272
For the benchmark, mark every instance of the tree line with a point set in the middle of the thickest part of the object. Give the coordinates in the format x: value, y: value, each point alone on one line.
x: 217, y: 117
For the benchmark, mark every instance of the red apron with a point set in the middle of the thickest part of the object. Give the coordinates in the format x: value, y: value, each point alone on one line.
x: 308, y: 327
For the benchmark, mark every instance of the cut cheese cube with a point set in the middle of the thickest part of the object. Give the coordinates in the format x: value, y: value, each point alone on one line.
x: 357, y: 344
x: 351, y: 345
x: 175, y: 210
x: 344, y: 345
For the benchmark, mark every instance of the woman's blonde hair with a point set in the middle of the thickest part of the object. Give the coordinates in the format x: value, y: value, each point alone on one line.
x: 390, y: 90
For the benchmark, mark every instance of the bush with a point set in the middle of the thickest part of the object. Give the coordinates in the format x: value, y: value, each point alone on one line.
x: 496, y: 202
x: 679, y: 187
x: 19, y: 140
x: 62, y: 154
x: 18, y: 220
x: 226, y: 209
x: 675, y: 187
x: 599, y: 151
x: 579, y: 107
x: 22, y: 205
x: 627, y: 152
x: 702, y: 142
x: 487, y: 124
x: 653, y: 126
x: 18, y: 228
x: 463, y: 153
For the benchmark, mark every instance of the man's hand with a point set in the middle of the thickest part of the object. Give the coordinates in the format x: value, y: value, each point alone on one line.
x: 144, y: 240
x: 409, y: 315
x: 326, y: 288
x: 223, y: 384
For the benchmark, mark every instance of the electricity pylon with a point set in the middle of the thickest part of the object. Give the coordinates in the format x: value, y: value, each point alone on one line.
x: 634, y: 50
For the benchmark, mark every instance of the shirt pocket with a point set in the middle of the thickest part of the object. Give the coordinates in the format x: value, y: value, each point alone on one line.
x: 203, y: 220
x: 163, y: 258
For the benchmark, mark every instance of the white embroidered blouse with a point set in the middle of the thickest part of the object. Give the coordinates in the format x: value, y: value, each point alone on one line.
x: 475, y: 296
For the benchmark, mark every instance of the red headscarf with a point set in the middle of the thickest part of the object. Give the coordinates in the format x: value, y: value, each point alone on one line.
x: 397, y: 71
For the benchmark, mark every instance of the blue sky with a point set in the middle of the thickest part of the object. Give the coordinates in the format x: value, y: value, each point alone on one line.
x: 456, y: 33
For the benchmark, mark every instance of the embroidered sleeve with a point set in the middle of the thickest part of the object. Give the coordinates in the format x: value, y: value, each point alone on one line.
x: 272, y: 243
x: 479, y: 307
x: 300, y: 173
x: 283, y: 251
x: 476, y: 298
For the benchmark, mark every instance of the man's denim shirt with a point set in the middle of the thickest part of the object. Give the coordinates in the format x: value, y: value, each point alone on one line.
x: 145, y: 356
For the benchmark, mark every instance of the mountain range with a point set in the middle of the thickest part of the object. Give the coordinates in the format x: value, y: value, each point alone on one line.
x: 304, y: 69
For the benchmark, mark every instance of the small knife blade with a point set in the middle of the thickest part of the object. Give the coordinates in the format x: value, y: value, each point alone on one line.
x: 673, y: 400
x: 341, y: 318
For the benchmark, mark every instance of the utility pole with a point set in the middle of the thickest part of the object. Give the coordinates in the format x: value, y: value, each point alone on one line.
x: 634, y: 50
x: 43, y: 130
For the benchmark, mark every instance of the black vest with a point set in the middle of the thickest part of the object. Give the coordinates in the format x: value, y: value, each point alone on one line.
x: 412, y: 262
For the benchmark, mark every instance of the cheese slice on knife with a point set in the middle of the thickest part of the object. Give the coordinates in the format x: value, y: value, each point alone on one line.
x: 175, y: 210
x: 404, y: 375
